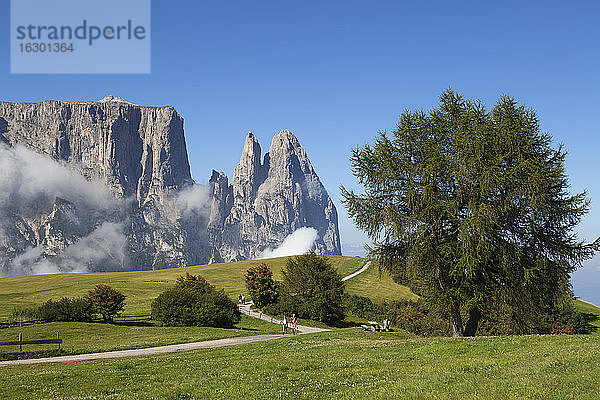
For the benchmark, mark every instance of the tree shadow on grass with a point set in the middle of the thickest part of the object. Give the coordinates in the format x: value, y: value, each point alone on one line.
x: 344, y: 324
x: 248, y: 329
x: 133, y: 323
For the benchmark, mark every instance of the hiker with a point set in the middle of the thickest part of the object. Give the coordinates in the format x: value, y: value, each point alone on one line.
x: 293, y: 322
x: 240, y: 299
x: 386, y: 325
x: 284, y: 323
x: 243, y: 299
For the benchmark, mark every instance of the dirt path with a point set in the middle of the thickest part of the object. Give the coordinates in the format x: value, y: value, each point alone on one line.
x: 360, y: 271
x: 151, y: 351
x: 245, y: 309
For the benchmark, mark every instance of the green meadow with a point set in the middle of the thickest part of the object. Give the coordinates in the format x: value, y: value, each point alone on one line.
x: 342, y: 364
x: 81, y: 337
x: 345, y: 363
x: 140, y: 287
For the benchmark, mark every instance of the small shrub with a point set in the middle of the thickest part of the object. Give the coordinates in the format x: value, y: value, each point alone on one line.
x: 568, y: 321
x: 191, y: 281
x: 422, y: 322
x: 260, y: 285
x: 66, y: 310
x: 495, y: 323
x: 560, y: 329
x: 195, y: 305
x: 26, y: 313
x: 106, y: 301
x: 359, y: 306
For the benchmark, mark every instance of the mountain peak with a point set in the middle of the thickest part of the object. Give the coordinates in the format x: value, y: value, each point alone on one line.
x: 113, y: 99
x: 284, y: 144
x: 273, y: 200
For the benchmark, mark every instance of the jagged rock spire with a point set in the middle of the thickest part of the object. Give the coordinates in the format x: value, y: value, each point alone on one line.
x: 247, y: 174
x: 273, y: 199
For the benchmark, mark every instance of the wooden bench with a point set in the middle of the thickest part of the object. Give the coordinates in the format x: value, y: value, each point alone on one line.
x: 22, y: 342
x: 376, y: 327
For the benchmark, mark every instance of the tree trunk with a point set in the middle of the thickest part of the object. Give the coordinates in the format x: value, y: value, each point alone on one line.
x: 457, y: 325
x: 473, y: 322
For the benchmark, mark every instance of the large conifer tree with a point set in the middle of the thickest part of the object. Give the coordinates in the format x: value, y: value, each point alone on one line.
x: 471, y: 208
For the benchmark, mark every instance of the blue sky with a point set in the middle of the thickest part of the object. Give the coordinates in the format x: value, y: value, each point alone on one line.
x: 336, y: 72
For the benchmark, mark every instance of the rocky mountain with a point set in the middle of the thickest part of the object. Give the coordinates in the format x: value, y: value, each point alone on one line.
x: 107, y: 186
x: 268, y: 200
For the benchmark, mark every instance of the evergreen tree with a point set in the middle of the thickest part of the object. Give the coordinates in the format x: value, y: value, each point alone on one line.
x: 471, y: 208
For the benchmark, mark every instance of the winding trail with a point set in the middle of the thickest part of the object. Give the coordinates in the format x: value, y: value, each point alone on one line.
x: 245, y: 309
x: 174, y: 348
x: 360, y: 271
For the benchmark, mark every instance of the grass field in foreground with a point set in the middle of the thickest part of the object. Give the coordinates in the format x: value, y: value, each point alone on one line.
x: 80, y: 337
x: 140, y: 287
x: 344, y: 364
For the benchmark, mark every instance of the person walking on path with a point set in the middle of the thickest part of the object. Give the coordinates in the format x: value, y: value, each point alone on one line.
x: 293, y: 322
x: 284, y: 323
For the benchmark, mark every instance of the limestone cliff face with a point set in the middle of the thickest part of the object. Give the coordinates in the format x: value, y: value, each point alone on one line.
x: 270, y: 200
x: 112, y: 190
x: 138, y: 154
x: 136, y: 151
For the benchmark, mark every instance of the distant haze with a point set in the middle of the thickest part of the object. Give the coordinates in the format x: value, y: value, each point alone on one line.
x: 586, y: 281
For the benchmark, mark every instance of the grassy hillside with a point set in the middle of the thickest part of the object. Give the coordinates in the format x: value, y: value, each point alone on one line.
x: 143, y: 286
x: 343, y: 364
x: 378, y: 285
x: 585, y: 307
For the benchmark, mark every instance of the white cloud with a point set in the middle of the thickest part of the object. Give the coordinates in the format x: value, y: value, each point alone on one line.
x: 30, y: 184
x: 298, y: 242
x: 194, y: 198
x: 104, y: 244
x: 28, y: 178
x: 23, y: 263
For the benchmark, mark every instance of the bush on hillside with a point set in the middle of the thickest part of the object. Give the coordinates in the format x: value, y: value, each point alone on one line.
x: 26, y: 313
x: 260, y: 285
x: 106, y: 301
x: 495, y: 323
x: 66, y: 310
x: 567, y: 320
x: 192, y: 281
x: 311, y: 288
x: 195, y: 305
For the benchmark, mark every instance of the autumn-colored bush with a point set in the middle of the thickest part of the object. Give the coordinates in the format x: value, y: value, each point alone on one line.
x: 106, y: 301
x: 191, y: 281
x: 260, y: 285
